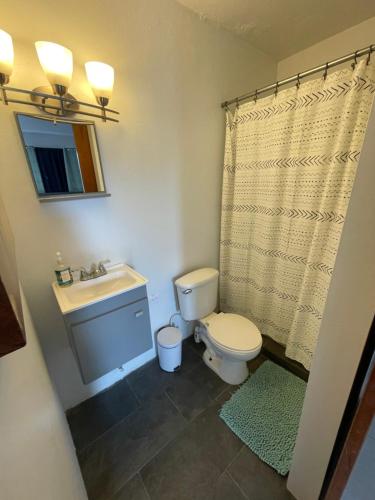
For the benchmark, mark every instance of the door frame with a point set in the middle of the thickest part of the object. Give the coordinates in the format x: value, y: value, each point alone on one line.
x: 355, y: 423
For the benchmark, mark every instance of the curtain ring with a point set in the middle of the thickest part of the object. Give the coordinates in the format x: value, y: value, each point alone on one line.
x: 355, y: 59
x: 256, y: 96
x: 277, y: 89
x: 325, y: 72
x: 298, y: 81
x: 369, y: 56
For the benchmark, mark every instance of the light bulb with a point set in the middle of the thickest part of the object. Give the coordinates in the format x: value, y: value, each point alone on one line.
x: 6, y: 57
x: 57, y: 63
x: 101, y: 77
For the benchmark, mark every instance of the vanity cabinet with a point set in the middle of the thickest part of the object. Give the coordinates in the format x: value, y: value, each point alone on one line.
x: 107, y: 334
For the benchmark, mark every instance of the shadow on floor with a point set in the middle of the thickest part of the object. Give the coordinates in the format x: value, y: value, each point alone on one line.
x: 276, y: 353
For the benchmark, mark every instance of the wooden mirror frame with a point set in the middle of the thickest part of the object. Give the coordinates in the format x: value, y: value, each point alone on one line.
x: 11, y: 319
x: 11, y: 334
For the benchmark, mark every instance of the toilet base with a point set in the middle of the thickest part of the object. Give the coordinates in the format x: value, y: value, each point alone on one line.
x: 232, y: 371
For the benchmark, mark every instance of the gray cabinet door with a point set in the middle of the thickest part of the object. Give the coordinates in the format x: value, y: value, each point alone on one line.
x: 107, y: 341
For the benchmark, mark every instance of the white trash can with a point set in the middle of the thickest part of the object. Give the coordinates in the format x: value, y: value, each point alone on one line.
x: 169, y: 341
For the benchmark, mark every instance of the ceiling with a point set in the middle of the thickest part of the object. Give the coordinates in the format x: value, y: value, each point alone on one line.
x: 283, y: 27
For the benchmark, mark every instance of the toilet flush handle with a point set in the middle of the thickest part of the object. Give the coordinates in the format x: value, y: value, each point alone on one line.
x: 188, y: 290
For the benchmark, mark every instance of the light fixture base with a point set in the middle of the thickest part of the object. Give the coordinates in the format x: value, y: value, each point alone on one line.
x: 102, y: 101
x: 4, y: 79
x: 60, y: 90
x: 41, y: 102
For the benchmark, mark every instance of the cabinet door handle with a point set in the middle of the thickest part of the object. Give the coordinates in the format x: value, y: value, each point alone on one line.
x: 138, y: 314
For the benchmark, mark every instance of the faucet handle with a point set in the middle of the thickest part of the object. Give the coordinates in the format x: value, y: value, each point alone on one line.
x: 84, y: 275
x: 93, y: 268
x: 101, y: 266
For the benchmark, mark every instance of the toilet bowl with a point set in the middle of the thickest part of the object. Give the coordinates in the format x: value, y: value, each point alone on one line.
x: 230, y: 339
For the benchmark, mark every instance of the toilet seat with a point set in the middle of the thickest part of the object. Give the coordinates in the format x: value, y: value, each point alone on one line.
x: 234, y: 333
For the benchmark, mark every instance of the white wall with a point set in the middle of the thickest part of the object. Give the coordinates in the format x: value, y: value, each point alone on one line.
x: 359, y: 36
x: 162, y: 163
x: 37, y: 457
x: 347, y: 318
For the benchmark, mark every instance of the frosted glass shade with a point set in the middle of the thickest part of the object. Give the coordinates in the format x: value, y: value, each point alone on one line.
x: 101, y: 77
x: 6, y: 53
x: 56, y: 61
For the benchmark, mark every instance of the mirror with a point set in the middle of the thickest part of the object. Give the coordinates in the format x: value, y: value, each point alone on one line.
x: 63, y: 157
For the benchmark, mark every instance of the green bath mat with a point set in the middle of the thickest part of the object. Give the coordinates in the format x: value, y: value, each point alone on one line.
x: 264, y: 413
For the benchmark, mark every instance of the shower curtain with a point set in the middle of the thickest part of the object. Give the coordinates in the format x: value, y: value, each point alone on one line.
x: 289, y: 167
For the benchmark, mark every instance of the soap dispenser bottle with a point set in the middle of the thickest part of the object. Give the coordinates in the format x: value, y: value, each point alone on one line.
x: 63, y: 273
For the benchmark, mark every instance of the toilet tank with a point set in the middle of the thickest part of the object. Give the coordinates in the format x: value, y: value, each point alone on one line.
x: 197, y: 293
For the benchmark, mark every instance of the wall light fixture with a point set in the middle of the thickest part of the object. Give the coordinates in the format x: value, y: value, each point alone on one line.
x: 57, y: 64
x: 6, y: 57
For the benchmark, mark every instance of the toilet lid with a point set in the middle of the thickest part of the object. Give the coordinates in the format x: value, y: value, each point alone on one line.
x: 234, y: 332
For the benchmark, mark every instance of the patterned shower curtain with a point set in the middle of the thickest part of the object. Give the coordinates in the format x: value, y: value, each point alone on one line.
x: 289, y: 167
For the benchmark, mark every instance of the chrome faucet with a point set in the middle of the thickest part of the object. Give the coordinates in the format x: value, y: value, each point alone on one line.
x: 96, y: 270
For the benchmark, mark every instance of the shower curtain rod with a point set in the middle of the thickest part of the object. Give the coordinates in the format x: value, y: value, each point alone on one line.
x: 296, y: 78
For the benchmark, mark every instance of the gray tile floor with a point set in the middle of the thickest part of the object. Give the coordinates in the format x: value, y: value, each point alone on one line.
x: 157, y: 435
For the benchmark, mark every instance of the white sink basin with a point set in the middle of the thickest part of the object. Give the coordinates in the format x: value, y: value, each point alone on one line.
x: 119, y: 279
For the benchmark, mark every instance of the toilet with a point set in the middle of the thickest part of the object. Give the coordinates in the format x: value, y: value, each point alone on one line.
x: 230, y: 339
